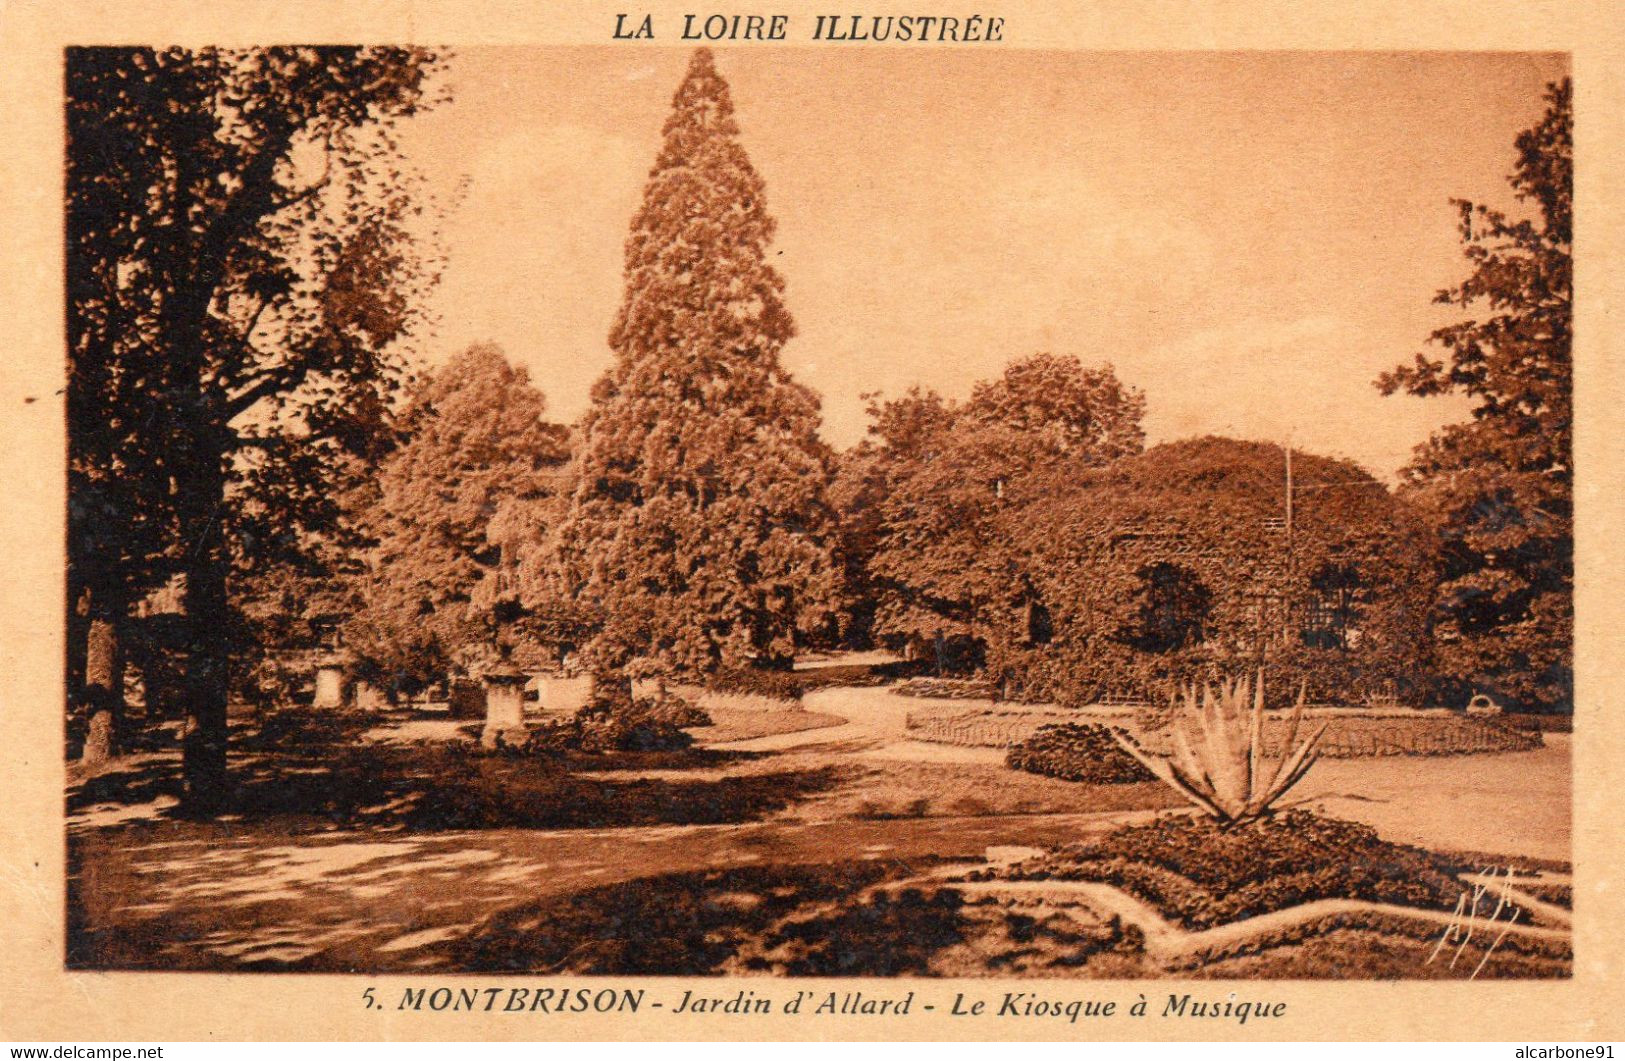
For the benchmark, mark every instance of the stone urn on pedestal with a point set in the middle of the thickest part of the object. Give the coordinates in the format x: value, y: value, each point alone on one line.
x: 504, y: 707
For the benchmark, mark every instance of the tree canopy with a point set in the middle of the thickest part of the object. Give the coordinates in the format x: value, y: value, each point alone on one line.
x: 241, y: 277
x: 922, y: 497
x: 1155, y: 567
x: 698, y: 532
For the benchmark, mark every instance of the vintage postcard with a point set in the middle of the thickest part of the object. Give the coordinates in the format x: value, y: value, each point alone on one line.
x: 673, y: 522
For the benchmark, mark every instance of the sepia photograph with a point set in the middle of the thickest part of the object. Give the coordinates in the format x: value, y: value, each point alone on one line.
x: 596, y: 511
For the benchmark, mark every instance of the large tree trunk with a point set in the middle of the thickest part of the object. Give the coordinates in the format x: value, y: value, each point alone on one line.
x: 78, y: 640
x: 203, y: 764
x: 104, y: 689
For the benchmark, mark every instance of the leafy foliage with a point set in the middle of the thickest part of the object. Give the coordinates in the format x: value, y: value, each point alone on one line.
x: 479, y: 458
x: 241, y: 274
x: 698, y: 534
x: 1158, y: 568
x: 647, y: 724
x: 1074, y: 752
x: 922, y: 498
x: 753, y: 681
x: 1501, y: 486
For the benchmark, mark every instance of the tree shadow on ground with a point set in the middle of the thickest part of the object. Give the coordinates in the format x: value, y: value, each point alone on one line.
x: 694, y: 924
x: 304, y: 764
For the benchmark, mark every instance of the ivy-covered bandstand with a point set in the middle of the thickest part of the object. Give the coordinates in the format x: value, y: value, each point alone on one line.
x: 1189, y: 560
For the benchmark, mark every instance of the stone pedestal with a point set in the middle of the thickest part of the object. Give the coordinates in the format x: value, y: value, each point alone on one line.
x: 504, y: 708
x: 563, y: 695
x: 329, y: 684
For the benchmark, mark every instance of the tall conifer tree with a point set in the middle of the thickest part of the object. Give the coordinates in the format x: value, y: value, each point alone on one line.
x: 698, y: 533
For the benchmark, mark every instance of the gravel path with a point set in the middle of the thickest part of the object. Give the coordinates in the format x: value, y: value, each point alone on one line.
x: 1512, y: 803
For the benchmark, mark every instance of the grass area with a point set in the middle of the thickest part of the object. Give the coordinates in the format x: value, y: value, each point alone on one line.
x: 341, y: 845
x: 729, y: 724
x: 908, y: 789
x: 1200, y: 875
x: 310, y: 764
x: 1358, y: 953
x: 833, y: 919
x: 680, y: 924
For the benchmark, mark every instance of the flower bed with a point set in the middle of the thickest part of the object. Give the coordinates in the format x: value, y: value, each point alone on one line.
x: 978, y: 729
x: 1200, y: 875
x: 946, y: 688
x: 1353, y: 737
x: 1351, y: 733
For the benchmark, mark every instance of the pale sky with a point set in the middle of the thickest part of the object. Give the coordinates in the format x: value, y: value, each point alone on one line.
x: 1248, y: 237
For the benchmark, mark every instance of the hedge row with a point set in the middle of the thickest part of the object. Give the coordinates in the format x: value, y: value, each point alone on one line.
x: 751, y: 681
x: 792, y: 685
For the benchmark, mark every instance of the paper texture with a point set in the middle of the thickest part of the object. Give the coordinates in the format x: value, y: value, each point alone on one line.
x: 1244, y: 210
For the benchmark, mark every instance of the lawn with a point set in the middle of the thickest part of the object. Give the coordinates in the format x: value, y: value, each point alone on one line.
x: 882, y: 788
x: 867, y: 918
x: 308, y: 765
x: 359, y: 844
x: 728, y: 724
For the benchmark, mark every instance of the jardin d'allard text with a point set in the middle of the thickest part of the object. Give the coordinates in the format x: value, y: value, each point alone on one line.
x: 1059, y: 1007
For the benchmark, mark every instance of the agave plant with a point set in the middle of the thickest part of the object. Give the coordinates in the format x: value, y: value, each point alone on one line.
x: 1218, y: 760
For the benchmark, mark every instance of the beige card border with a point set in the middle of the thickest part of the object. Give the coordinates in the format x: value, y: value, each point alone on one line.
x: 39, y: 1001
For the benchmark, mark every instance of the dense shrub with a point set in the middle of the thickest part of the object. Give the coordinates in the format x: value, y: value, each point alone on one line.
x: 1551, y: 723
x: 672, y: 709
x: 635, y: 727
x: 751, y: 681
x: 1202, y: 875
x: 1146, y: 569
x: 648, y: 724
x: 1074, y: 752
x: 851, y: 674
